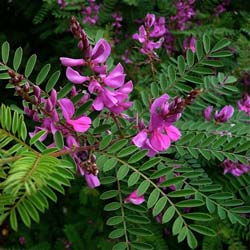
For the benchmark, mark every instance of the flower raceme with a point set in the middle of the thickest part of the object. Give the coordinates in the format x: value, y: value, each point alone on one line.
x: 110, y: 88
x: 160, y: 132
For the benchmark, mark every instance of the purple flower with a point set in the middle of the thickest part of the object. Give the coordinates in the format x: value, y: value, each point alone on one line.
x: 235, y: 168
x: 91, y: 12
x: 189, y: 43
x: 114, y: 99
x: 153, y: 28
x: 244, y: 104
x: 225, y: 114
x: 207, y: 113
x: 92, y: 180
x: 134, y: 198
x: 95, y: 61
x: 160, y: 133
x: 81, y: 124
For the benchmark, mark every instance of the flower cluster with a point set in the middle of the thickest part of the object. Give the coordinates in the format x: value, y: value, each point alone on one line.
x: 184, y: 12
x: 109, y: 88
x: 160, y: 132
x: 117, y: 24
x: 90, y: 12
x: 235, y: 168
x: 153, y: 28
x: 220, y: 8
x: 244, y: 104
x: 220, y: 116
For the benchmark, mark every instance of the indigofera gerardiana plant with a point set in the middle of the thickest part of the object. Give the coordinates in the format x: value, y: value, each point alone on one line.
x: 143, y: 147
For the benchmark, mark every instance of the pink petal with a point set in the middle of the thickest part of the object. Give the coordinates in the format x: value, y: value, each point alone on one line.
x: 74, y: 76
x: 140, y: 139
x: 81, y: 124
x: 101, y: 51
x: 70, y: 62
x: 159, y: 141
x: 126, y: 88
x: 98, y: 104
x: 134, y: 198
x: 67, y: 107
x: 116, y: 78
x: 92, y: 180
x: 173, y: 133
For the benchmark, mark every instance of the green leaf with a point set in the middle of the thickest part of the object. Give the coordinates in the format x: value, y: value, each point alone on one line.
x: 24, y: 215
x: 190, y: 58
x: 199, y: 50
x: 161, y: 172
x: 30, y: 65
x: 37, y: 136
x: 137, y: 219
x: 31, y: 210
x: 159, y: 206
x: 137, y: 156
x: 5, y: 52
x: 112, y: 206
x: 181, y: 64
x: 109, y: 164
x: 203, y: 230
x: 153, y: 197
x: 177, y: 226
x: 212, y: 63
x: 105, y: 141
x: 114, y: 220
x: 117, y: 233
x: 17, y: 58
x: 133, y: 179
x: 42, y: 74
x: 127, y: 151
x: 141, y: 246
x: 143, y: 187
x: 120, y: 246
x: 84, y: 108
x: 210, y: 205
x: 206, y: 43
x: 182, y: 234
x: 52, y: 81
x: 154, y: 90
x: 172, y: 181
x: 190, y: 203
x: 192, y: 242
x: 221, y: 196
x: 107, y: 180
x: 181, y: 193
x: 149, y: 164
x: 64, y: 91
x: 122, y: 172
x: 198, y: 216
x: 59, y: 140
x: 221, y: 54
x: 172, y: 73
x: 117, y: 146
x: 168, y: 215
x: 13, y: 220
x: 221, y: 44
x: 109, y: 194
x: 241, y: 210
x: 140, y: 232
x: 5, y: 76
